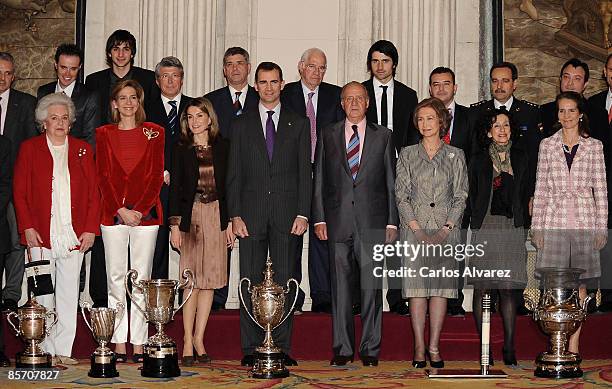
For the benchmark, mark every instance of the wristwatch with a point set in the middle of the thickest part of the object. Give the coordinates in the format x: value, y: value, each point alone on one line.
x: 449, y: 226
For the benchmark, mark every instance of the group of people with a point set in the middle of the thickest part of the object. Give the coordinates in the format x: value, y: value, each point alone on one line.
x: 126, y: 163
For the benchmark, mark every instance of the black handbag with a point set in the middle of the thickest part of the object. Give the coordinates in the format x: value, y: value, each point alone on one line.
x: 39, y: 275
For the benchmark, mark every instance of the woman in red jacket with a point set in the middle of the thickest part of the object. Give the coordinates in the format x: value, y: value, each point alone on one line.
x: 57, y: 205
x: 130, y: 165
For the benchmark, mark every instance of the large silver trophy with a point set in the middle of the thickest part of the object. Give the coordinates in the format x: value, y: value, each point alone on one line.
x: 161, y: 358
x: 268, y: 305
x: 103, y: 359
x: 559, y: 314
x: 32, y: 328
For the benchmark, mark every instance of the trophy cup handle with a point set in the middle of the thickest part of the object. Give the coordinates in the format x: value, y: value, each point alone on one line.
x: 120, y: 311
x: 8, y: 318
x: 54, y: 314
x: 85, y: 305
x: 242, y: 300
x: 297, y: 292
x: 133, y: 274
x: 187, y: 276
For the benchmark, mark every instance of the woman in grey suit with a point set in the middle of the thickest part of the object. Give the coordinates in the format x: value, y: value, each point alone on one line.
x: 430, y: 190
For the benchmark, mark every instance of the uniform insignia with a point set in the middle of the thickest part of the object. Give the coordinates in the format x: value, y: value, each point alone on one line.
x: 541, y: 127
x: 478, y: 103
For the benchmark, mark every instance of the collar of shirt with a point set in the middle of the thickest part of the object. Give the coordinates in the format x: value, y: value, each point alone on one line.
x: 4, y: 98
x: 263, y: 114
x: 315, y: 97
x: 377, y: 87
x: 451, y: 110
x: 243, y: 94
x: 68, y: 90
x: 167, y: 106
x: 608, y: 100
x: 507, y: 104
x: 348, y: 132
x: 378, y: 91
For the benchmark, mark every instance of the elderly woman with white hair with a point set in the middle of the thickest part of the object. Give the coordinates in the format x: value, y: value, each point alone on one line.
x: 58, y: 211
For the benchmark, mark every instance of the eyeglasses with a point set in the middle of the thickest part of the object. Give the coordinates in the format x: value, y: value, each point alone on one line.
x: 359, y: 99
x: 312, y: 68
x: 174, y: 76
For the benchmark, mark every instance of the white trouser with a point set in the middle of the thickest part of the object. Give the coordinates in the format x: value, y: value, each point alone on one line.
x: 65, y: 274
x: 140, y: 241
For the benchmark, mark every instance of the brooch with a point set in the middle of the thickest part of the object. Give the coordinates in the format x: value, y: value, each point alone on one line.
x: 82, y: 152
x: 150, y: 133
x: 451, y: 155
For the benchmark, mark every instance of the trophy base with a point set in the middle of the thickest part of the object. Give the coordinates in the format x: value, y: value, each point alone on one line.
x: 564, y: 366
x: 269, y: 366
x: 160, y: 361
x: 103, y: 366
x: 33, y: 361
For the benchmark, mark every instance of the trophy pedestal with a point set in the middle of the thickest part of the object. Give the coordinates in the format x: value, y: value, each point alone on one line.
x: 33, y: 361
x: 103, y: 366
x: 269, y: 365
x: 160, y: 361
x: 558, y: 366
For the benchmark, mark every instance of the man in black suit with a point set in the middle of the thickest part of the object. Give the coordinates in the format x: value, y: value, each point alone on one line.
x: 269, y: 184
x: 602, y: 102
x: 6, y: 171
x: 16, y: 124
x: 391, y: 105
x: 353, y: 208
x: 165, y: 109
x: 68, y: 62
x: 526, y: 117
x: 319, y: 102
x: 120, y: 51
x: 442, y: 86
x: 238, y: 96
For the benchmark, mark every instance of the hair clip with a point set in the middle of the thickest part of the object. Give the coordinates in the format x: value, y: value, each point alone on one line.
x: 150, y: 133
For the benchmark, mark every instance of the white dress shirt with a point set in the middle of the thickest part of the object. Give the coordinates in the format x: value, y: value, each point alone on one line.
x: 451, y: 110
x: 68, y: 90
x: 4, y: 98
x: 168, y: 107
x: 263, y: 114
x: 608, y: 100
x: 378, y: 92
x: 507, y: 104
x: 243, y: 94
x: 315, y: 97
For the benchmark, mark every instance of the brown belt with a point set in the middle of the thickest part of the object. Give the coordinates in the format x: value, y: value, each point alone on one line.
x: 205, y: 198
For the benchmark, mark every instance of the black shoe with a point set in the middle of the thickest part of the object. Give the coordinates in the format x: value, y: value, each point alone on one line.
x: 138, y: 358
x: 419, y: 364
x: 321, y: 307
x: 435, y: 364
x: 340, y: 360
x: 121, y: 358
x: 369, y: 361
x: 509, y: 357
x: 456, y: 311
x: 401, y: 309
x: 247, y: 360
x: 187, y: 360
x: 522, y: 311
x: 9, y: 305
x: 4, y: 361
x: 356, y: 309
x: 290, y: 361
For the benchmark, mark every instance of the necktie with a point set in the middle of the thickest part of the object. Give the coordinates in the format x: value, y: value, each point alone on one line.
x: 503, y: 107
x: 172, y: 117
x: 609, y: 114
x: 270, y: 134
x: 352, y: 152
x: 383, y: 107
x: 447, y: 138
x: 310, y: 112
x: 237, y: 105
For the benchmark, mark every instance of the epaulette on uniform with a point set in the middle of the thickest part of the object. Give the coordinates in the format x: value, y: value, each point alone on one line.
x: 481, y: 102
x: 534, y: 105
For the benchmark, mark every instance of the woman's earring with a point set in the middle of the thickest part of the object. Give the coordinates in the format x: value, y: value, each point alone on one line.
x: 580, y: 120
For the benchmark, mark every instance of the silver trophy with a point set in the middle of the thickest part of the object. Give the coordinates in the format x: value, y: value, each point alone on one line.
x: 103, y: 359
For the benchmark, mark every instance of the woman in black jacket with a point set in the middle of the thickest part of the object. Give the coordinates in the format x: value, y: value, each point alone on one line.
x: 496, y: 213
x: 199, y: 224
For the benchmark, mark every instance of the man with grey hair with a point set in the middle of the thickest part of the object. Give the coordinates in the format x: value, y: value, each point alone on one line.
x: 319, y: 102
x: 165, y: 109
x: 16, y: 124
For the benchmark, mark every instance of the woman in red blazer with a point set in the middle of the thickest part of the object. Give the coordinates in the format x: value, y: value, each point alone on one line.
x: 130, y: 165
x: 57, y: 205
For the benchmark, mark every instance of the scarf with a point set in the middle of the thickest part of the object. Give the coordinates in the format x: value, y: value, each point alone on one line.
x: 494, y: 151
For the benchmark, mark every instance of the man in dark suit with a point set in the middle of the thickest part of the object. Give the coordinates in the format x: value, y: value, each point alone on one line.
x: 6, y: 171
x: 442, y: 86
x: 269, y: 184
x: 354, y: 207
x: 602, y: 102
x: 238, y: 96
x: 229, y: 102
x: 16, y: 124
x: 319, y: 102
x: 68, y: 62
x: 391, y: 105
x: 120, y: 51
x: 527, y: 119
x: 165, y: 109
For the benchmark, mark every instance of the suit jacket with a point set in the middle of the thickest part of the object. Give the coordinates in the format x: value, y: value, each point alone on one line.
x: 480, y: 175
x: 404, y: 103
x: 32, y: 188
x: 87, y: 114
x: 156, y: 113
x: 138, y: 190
x: 223, y: 104
x: 369, y: 201
x: 329, y: 110
x: 19, y: 122
x: 600, y: 129
x: 264, y: 192
x: 100, y: 83
x: 583, y: 188
x: 462, y: 136
x: 6, y: 173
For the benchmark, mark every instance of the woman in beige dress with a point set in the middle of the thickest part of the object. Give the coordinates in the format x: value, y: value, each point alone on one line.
x: 199, y: 225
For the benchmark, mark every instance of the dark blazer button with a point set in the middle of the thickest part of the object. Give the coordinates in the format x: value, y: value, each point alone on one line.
x: 432, y: 205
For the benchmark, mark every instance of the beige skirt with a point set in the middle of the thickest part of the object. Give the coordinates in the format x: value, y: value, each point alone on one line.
x: 203, y: 249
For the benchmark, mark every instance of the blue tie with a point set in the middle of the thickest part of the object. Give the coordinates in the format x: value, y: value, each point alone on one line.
x: 173, y: 117
x: 270, y: 134
x: 352, y: 153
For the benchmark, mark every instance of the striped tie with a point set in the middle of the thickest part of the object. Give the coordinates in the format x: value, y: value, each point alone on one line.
x: 237, y: 105
x: 172, y: 117
x: 352, y: 152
